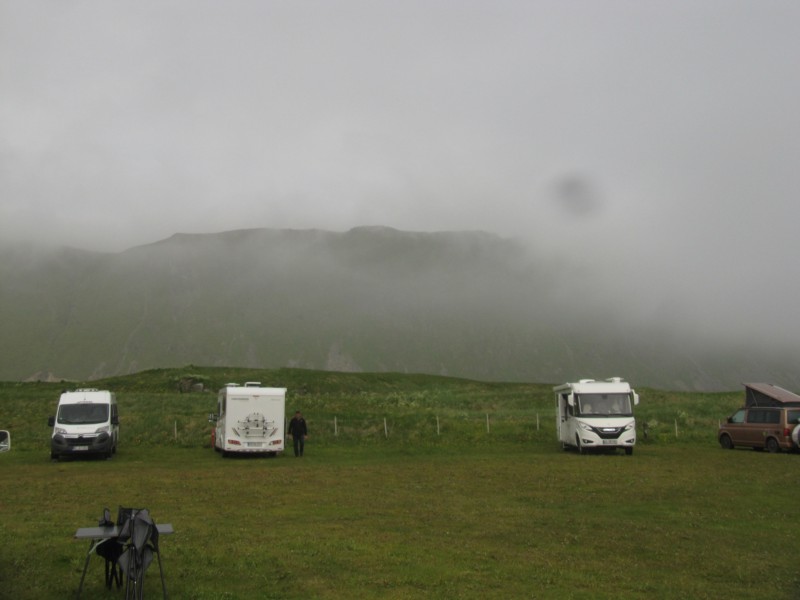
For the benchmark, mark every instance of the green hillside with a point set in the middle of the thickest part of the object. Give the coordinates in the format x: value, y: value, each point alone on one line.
x: 464, y: 304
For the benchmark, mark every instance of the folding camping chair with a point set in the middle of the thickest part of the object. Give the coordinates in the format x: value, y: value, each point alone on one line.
x: 140, y: 537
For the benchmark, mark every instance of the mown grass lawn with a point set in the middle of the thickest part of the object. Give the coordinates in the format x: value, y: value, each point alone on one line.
x: 468, y: 514
x: 501, y: 520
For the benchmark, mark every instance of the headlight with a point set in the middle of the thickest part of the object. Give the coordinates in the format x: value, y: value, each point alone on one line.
x: 60, y: 430
x: 103, y: 429
x: 585, y: 426
x: 630, y: 426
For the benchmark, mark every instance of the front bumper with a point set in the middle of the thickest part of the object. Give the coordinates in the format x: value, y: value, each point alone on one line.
x: 100, y: 443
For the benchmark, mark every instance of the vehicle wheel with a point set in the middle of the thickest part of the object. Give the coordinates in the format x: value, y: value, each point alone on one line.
x: 726, y: 442
x: 628, y: 451
x: 53, y: 456
x: 581, y: 449
x: 772, y: 445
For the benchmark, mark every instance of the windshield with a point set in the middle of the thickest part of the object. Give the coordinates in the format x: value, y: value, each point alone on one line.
x: 604, y: 405
x: 83, y: 414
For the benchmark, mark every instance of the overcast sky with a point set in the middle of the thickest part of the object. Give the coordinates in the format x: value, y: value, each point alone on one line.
x: 637, y: 138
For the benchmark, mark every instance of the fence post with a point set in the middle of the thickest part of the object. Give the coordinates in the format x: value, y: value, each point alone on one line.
x: 335, y: 427
x: 676, y: 427
x: 176, y: 431
x: 487, y: 422
x: 437, y: 424
x: 385, y: 429
x: 537, y: 421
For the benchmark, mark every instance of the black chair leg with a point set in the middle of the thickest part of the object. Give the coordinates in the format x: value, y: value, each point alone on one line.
x: 113, y: 574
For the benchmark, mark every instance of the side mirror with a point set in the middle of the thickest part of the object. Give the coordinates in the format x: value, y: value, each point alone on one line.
x: 115, y: 420
x: 51, y: 421
x: 212, y: 417
x: 5, y: 441
x: 635, y: 399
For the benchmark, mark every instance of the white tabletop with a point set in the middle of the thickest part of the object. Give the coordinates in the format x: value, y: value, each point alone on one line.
x: 100, y: 533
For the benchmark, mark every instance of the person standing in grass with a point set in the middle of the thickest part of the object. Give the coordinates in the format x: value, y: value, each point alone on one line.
x: 299, y: 432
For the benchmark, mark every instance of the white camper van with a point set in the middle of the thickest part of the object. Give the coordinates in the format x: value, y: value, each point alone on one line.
x: 249, y: 419
x: 86, y: 422
x: 596, y: 414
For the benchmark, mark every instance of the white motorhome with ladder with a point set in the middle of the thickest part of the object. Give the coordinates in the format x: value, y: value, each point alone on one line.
x: 596, y: 414
x: 249, y: 419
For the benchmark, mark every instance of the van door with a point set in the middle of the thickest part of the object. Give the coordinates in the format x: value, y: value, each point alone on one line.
x: 219, y: 436
x: 737, y: 429
x: 754, y: 430
x: 566, y: 423
x: 761, y: 424
x: 114, y: 426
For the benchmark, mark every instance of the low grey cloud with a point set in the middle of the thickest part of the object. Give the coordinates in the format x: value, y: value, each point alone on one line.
x: 653, y: 144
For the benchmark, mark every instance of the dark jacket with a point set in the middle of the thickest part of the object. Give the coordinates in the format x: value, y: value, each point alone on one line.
x: 298, y: 426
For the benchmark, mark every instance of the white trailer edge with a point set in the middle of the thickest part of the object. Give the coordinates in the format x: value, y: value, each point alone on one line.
x: 596, y: 414
x: 249, y: 419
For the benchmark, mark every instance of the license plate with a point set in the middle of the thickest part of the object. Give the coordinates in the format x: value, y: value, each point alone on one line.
x: 254, y: 444
x: 80, y: 448
x: 609, y: 442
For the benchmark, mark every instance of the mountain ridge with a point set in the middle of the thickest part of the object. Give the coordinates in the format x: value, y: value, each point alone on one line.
x: 466, y: 304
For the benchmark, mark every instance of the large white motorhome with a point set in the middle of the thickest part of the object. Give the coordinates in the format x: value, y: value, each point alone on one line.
x: 596, y: 414
x: 249, y: 419
x: 86, y: 422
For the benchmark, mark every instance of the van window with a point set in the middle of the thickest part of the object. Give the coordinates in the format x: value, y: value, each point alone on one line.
x: 755, y: 416
x: 83, y: 414
x: 793, y: 416
x: 763, y: 415
x: 737, y: 417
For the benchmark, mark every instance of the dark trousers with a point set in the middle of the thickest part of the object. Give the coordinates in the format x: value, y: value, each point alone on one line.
x: 299, y: 444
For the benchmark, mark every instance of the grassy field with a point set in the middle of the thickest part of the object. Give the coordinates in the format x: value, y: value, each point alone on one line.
x: 404, y: 512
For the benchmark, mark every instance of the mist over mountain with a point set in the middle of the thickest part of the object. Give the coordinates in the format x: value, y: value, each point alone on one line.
x: 466, y: 304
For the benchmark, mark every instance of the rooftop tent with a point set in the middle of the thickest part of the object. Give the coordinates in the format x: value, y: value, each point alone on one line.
x: 766, y: 394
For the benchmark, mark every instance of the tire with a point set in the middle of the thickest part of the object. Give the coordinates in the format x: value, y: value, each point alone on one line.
x: 772, y: 445
x: 726, y: 442
x: 628, y: 451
